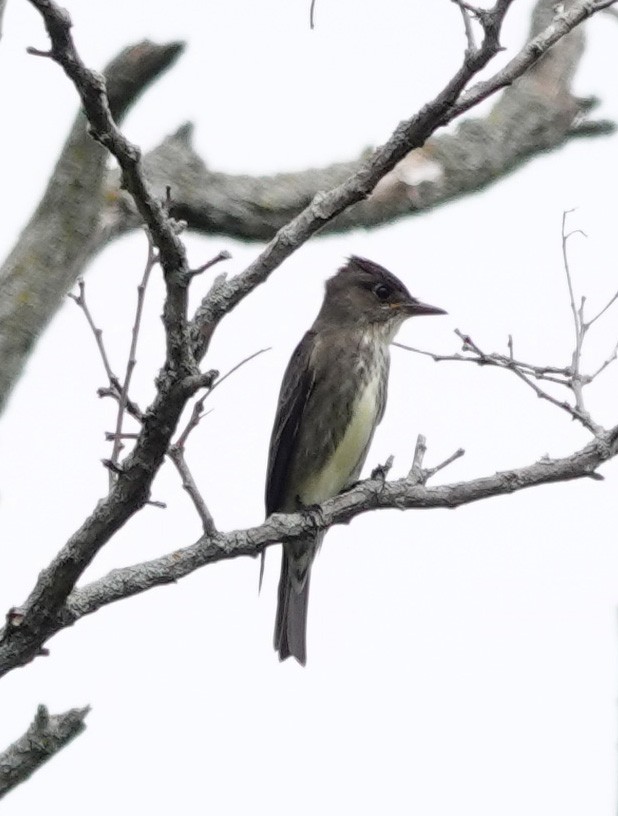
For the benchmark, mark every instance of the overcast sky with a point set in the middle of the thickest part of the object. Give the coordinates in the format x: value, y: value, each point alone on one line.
x: 458, y: 661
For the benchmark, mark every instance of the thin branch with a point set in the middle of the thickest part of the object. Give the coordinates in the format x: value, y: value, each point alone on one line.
x: 239, y: 365
x: 312, y: 15
x: 466, y: 12
x: 536, y: 48
x: 449, y: 460
x: 151, y: 260
x: 44, y: 738
x: 610, y: 303
x: 613, y: 356
x: 497, y: 361
x: 522, y: 370
x: 420, y: 475
x: 176, y: 454
x: 567, y: 270
x: 224, y: 255
x: 176, y: 451
x: 416, y: 471
x: 197, y: 414
x: 382, y: 471
x: 80, y: 300
x: 132, y: 407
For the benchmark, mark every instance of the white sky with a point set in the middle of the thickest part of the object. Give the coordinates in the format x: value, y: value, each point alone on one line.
x: 458, y: 661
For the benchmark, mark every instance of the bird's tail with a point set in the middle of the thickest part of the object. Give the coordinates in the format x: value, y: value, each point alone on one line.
x: 293, y: 599
x: 291, y: 620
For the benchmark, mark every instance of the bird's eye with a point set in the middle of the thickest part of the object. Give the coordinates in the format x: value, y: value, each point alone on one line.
x: 381, y: 291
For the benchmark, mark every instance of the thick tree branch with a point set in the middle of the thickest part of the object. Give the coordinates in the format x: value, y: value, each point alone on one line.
x: 410, y: 134
x: 534, y: 115
x: 64, y: 231
x: 45, y: 737
x: 178, y: 380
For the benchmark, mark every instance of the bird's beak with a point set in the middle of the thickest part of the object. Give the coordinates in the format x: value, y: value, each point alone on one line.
x: 417, y: 307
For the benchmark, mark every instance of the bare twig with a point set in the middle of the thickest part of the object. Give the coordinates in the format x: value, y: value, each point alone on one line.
x: 429, y: 472
x: 548, y: 373
x: 132, y: 407
x: 197, y: 414
x: 239, y: 365
x: 176, y: 454
x: 312, y: 15
x: 80, y: 300
x: 224, y: 255
x: 35, y: 52
x: 382, y: 471
x: 416, y: 471
x: 151, y: 260
x: 565, y: 261
x: 610, y: 303
x: 466, y: 12
x: 419, y: 475
x: 176, y: 451
x: 115, y: 388
x: 525, y: 372
x: 613, y: 356
x: 110, y: 436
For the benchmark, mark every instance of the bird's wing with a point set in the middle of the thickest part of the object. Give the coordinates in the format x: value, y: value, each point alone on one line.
x: 298, y: 382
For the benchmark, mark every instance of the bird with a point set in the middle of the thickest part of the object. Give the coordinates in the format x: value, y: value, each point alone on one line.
x: 332, y: 398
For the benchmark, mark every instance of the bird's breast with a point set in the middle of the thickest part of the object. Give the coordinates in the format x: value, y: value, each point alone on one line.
x: 344, y: 463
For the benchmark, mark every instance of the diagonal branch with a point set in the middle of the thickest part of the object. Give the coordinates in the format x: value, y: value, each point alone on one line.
x: 123, y: 399
x: 177, y: 382
x: 450, y: 103
x: 368, y: 495
x: 47, y: 735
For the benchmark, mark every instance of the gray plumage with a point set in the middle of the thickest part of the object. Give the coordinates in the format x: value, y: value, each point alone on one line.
x: 332, y: 398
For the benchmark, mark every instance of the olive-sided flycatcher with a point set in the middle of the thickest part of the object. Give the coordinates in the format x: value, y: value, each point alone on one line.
x: 332, y: 398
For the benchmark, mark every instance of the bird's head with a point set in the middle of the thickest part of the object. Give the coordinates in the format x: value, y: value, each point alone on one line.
x: 363, y: 292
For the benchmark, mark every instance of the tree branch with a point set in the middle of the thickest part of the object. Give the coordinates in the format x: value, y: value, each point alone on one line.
x: 368, y: 495
x: 64, y: 232
x: 178, y: 380
x: 45, y: 737
x: 450, y: 103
